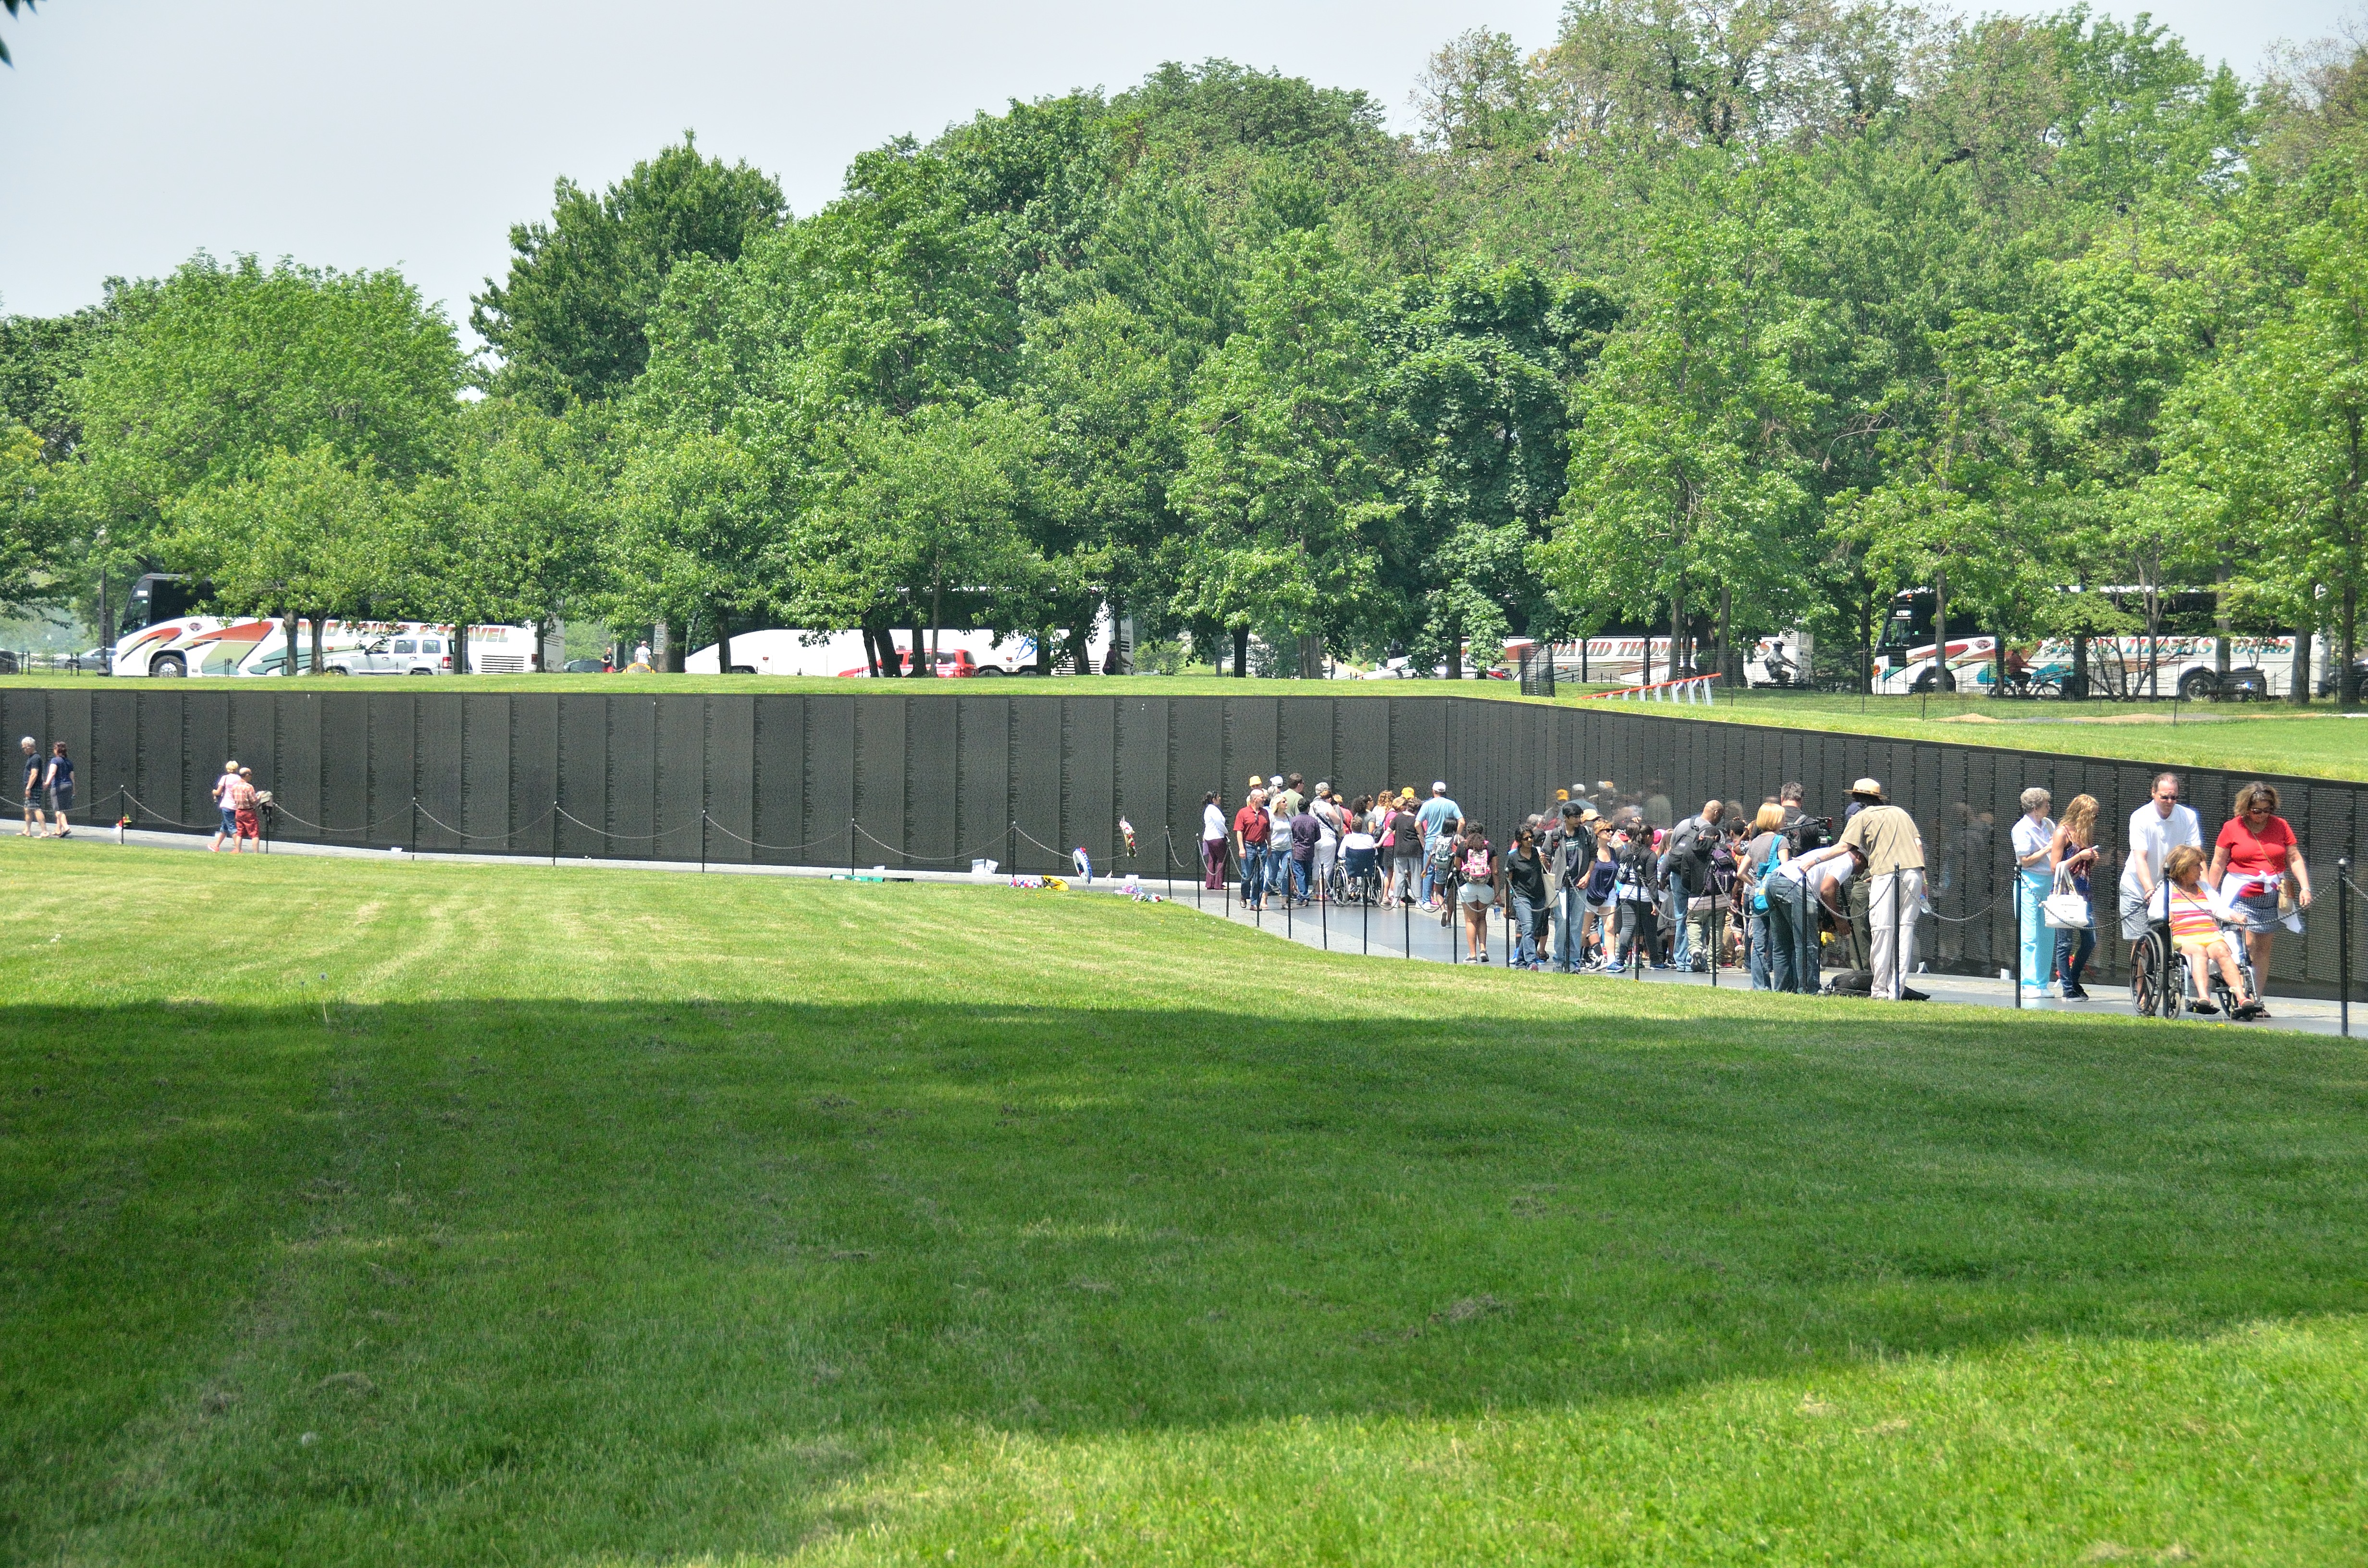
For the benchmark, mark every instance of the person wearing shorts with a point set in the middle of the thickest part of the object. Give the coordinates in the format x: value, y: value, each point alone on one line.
x: 60, y: 782
x: 228, y: 831
x: 1474, y: 869
x: 243, y: 802
x: 2251, y: 860
x: 32, y: 750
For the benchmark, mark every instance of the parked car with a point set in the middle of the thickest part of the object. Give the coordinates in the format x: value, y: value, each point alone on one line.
x: 407, y: 655
x: 952, y: 662
x: 587, y: 667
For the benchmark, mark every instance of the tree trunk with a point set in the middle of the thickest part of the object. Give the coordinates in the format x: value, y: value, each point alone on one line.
x: 937, y: 618
x: 1725, y: 640
x: 2300, y: 694
x: 459, y: 647
x: 1681, y: 662
x: 318, y: 664
x: 2079, y: 663
x: 1455, y: 650
x: 921, y: 666
x: 1241, y: 653
x: 660, y: 644
x: 2220, y: 621
x: 2347, y: 678
x: 1866, y: 640
x: 1045, y: 652
x: 722, y: 617
x: 2154, y: 640
x: 288, y: 631
x: 1942, y: 680
x: 1644, y: 674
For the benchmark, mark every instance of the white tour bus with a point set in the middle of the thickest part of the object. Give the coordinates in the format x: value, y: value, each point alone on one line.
x: 789, y: 651
x: 161, y: 637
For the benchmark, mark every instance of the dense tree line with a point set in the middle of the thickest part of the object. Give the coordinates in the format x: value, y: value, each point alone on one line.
x: 1716, y: 315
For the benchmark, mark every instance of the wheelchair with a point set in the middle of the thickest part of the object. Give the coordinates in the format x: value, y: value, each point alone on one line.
x: 2160, y: 980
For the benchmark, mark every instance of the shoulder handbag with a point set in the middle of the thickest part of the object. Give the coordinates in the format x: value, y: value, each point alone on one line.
x: 2063, y: 909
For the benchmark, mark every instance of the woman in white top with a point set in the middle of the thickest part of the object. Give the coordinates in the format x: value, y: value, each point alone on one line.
x: 2034, y: 832
x: 1213, y: 842
x: 1332, y: 821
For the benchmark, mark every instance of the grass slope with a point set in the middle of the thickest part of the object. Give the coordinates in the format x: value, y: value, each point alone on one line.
x: 362, y: 1211
x: 2269, y: 738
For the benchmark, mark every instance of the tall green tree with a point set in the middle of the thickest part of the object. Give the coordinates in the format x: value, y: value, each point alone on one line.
x: 570, y: 321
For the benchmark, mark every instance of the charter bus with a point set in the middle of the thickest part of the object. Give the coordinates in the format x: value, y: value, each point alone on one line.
x: 2182, y: 659
x: 164, y: 634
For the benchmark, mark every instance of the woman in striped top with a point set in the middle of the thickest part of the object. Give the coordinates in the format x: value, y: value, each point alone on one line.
x: 2197, y: 912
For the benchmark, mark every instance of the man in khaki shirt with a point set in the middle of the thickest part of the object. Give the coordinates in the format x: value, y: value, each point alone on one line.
x: 1888, y: 836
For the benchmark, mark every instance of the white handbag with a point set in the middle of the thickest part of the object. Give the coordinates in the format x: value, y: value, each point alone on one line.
x: 2065, y: 909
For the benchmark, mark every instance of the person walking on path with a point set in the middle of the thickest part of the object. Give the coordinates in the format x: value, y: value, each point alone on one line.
x: 1439, y: 816
x: 32, y: 750
x: 1250, y: 825
x: 242, y: 801
x: 1213, y: 842
x: 2157, y: 828
x: 1476, y: 887
x: 2253, y: 860
x: 59, y: 781
x: 1894, y: 849
x: 2034, y: 879
x: 2073, y: 851
x: 228, y: 830
x: 1757, y: 863
x: 1524, y: 879
x: 1280, y: 808
x: 1570, y: 850
x: 1333, y: 820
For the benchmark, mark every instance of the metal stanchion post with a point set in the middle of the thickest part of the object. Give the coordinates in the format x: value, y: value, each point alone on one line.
x: 554, y: 834
x: 1405, y: 915
x: 702, y: 841
x: 2343, y: 946
x: 2014, y: 883
x: 1366, y: 906
x: 1899, y: 981
x: 1323, y: 917
x: 851, y: 850
x: 414, y: 824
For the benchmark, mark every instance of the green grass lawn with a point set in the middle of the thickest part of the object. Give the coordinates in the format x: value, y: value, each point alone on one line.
x: 363, y: 1211
x: 2270, y: 737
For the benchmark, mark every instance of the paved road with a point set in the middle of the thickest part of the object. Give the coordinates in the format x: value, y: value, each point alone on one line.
x: 1376, y: 933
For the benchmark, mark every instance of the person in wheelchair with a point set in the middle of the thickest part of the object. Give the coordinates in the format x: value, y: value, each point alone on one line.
x: 2198, y: 916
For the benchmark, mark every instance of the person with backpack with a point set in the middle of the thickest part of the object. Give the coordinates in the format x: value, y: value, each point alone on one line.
x: 1472, y: 868
x: 1761, y: 854
x: 1685, y: 863
x: 1637, y: 887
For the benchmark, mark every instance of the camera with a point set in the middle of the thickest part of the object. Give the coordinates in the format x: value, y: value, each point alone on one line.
x: 1808, y: 833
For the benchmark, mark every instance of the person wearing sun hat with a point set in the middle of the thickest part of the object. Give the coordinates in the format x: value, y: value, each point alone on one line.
x: 1894, y: 849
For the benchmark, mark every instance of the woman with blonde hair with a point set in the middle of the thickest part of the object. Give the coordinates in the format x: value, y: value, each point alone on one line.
x: 2197, y: 913
x: 2075, y: 850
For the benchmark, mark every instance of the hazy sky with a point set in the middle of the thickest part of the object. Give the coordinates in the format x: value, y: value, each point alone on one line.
x: 354, y: 135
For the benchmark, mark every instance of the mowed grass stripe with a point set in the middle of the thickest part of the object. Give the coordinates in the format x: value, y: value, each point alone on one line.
x: 584, y: 1216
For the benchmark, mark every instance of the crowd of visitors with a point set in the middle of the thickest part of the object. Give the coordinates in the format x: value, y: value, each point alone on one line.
x: 1608, y: 881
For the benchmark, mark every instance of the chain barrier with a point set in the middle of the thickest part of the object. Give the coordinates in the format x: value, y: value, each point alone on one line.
x: 950, y: 860
x: 781, y: 849
x: 504, y: 836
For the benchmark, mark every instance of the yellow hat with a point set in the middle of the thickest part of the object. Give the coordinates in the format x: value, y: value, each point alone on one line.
x: 1562, y: 794
x: 1256, y: 782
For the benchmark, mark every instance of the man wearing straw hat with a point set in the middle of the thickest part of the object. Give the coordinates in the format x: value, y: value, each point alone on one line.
x: 1888, y: 836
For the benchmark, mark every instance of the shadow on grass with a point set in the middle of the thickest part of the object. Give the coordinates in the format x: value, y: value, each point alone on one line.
x: 557, y: 1257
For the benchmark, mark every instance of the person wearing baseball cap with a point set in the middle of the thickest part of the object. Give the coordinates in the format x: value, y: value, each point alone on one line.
x: 1440, y: 814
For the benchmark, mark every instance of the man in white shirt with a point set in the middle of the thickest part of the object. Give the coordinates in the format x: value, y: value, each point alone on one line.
x: 2156, y: 829
x: 1794, y: 890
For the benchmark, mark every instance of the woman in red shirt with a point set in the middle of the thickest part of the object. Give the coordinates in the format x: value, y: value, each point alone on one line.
x: 2258, y: 847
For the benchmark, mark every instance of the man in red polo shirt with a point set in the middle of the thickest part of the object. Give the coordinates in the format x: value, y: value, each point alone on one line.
x: 1250, y: 826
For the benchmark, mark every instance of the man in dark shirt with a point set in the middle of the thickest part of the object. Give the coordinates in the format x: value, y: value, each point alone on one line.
x: 1306, y: 832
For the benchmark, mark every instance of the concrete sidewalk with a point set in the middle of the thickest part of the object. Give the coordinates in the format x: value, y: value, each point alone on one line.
x: 1360, y: 930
